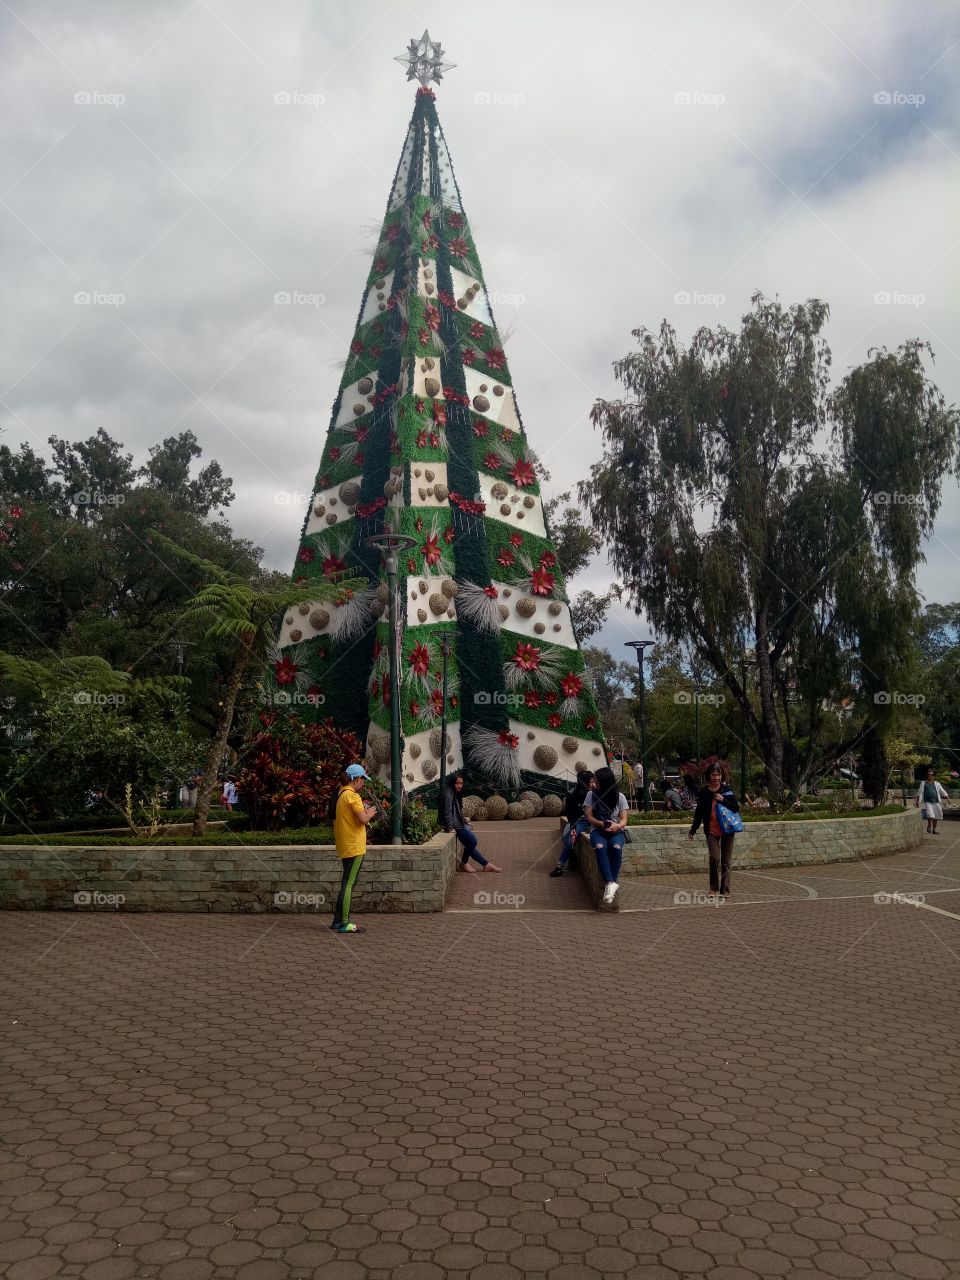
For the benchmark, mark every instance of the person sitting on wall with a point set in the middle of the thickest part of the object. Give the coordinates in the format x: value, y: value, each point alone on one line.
x: 452, y: 819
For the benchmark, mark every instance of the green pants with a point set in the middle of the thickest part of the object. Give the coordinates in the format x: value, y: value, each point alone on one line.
x: 348, y: 878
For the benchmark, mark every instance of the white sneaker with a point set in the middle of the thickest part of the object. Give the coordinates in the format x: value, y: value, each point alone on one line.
x: 609, y: 891
x: 616, y: 887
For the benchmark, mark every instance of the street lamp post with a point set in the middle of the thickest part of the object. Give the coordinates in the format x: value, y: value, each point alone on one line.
x: 445, y: 656
x: 638, y: 646
x: 696, y: 727
x: 389, y: 544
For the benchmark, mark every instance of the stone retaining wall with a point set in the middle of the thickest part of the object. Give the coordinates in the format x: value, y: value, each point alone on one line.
x: 659, y: 849
x: 200, y: 878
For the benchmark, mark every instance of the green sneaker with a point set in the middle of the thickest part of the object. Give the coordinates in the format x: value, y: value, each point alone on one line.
x: 350, y: 928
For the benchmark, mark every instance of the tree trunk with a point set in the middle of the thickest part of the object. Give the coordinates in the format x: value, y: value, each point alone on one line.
x: 770, y: 735
x: 219, y: 743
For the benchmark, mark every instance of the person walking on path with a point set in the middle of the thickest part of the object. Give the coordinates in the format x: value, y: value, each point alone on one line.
x: 930, y: 796
x: 605, y: 808
x: 452, y: 819
x: 719, y: 842
x: 577, y: 823
x: 350, y: 837
x: 230, y: 793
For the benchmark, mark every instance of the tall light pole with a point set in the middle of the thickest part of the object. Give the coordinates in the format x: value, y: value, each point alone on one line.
x: 743, y: 736
x: 445, y: 656
x: 638, y: 646
x: 696, y: 727
x: 389, y: 544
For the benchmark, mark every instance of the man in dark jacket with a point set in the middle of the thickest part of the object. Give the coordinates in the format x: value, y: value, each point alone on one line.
x: 452, y: 819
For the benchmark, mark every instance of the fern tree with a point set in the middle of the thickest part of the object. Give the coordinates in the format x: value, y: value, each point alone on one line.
x: 230, y: 609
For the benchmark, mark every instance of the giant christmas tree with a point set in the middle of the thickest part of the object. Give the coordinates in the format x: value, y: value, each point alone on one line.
x: 426, y: 440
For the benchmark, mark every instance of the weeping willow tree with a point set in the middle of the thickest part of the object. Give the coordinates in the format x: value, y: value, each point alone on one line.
x: 754, y: 512
x: 230, y: 608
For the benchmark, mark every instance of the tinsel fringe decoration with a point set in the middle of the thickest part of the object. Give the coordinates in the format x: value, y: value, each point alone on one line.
x: 570, y: 707
x: 543, y: 676
x: 482, y: 610
x: 353, y: 617
x: 497, y: 760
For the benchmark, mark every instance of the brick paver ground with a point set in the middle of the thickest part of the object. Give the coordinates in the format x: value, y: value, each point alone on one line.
x: 762, y: 1090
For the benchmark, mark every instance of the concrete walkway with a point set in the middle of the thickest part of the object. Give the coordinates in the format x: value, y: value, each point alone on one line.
x: 764, y: 1090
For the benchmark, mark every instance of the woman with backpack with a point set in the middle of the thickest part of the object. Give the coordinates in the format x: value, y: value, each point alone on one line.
x: 576, y: 821
x: 606, y: 808
x: 718, y: 812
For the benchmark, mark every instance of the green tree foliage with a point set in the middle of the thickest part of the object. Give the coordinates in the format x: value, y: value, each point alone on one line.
x: 749, y: 507
x: 577, y: 543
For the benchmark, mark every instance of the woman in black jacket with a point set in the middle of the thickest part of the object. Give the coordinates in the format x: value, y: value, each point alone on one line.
x: 576, y: 822
x: 719, y: 843
x: 452, y: 819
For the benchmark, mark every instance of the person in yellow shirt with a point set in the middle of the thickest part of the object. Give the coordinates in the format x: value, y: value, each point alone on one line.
x: 350, y: 837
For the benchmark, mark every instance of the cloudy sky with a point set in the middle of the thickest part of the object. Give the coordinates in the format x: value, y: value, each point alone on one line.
x: 616, y: 158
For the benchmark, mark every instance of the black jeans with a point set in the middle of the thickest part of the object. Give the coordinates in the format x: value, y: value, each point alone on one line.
x: 720, y: 849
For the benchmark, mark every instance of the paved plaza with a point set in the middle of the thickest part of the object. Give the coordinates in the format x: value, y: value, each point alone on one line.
x: 509, y: 1089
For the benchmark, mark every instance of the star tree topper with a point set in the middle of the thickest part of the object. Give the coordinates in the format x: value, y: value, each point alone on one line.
x: 424, y: 60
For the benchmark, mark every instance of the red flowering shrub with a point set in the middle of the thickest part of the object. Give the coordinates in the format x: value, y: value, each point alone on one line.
x: 293, y: 770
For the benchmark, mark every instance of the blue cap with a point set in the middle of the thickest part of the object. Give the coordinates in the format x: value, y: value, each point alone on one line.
x: 356, y: 771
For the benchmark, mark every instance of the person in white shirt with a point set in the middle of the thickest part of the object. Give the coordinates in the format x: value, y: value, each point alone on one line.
x: 930, y: 795
x: 605, y: 808
x: 230, y: 794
